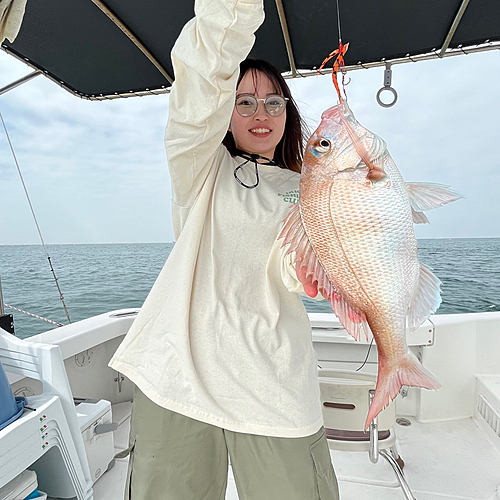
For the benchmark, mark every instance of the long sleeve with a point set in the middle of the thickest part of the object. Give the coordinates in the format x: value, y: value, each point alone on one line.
x: 11, y: 18
x: 206, y: 60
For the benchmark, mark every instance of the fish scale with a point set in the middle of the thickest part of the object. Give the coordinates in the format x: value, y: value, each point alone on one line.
x: 357, y: 232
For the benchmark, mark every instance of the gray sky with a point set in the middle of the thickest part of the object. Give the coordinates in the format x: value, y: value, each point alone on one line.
x: 97, y: 173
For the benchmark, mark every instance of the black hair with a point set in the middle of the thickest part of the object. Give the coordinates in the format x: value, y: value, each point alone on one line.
x: 290, y: 150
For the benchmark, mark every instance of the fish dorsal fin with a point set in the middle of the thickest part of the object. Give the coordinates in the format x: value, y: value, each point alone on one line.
x: 426, y: 299
x: 427, y: 195
x: 419, y: 217
x: 294, y: 235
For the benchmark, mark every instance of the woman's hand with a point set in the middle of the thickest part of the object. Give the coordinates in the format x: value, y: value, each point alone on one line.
x: 310, y: 286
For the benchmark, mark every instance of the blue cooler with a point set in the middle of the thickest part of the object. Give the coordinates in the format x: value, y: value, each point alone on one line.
x: 10, y: 408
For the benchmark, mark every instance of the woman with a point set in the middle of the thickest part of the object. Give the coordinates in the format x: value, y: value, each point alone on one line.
x: 221, y: 351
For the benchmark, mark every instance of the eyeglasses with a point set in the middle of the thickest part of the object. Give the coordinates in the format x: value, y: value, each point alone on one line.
x: 247, y: 104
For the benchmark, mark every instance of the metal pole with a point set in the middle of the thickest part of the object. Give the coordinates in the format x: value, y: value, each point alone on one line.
x: 127, y: 31
x: 286, y: 36
x: 487, y: 46
x: 2, y: 311
x: 373, y: 453
x: 399, y: 474
x: 22, y: 80
x: 453, y: 27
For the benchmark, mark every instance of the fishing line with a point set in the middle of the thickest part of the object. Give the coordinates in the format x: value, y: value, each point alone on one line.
x: 367, y: 354
x: 61, y: 297
x: 342, y: 67
x: 339, y: 63
x: 338, y: 21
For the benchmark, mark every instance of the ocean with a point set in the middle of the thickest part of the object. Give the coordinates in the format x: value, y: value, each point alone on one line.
x: 95, y: 279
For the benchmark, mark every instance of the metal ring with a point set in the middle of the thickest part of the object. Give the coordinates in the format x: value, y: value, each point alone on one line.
x: 390, y: 104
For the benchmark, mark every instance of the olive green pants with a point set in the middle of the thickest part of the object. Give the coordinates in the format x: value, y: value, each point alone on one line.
x: 174, y: 457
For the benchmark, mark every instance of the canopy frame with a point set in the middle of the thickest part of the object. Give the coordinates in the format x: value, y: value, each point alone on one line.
x: 453, y: 28
x: 484, y: 47
x: 125, y: 29
x: 286, y: 37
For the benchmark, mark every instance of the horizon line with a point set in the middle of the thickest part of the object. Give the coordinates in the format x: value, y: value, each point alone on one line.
x: 169, y: 242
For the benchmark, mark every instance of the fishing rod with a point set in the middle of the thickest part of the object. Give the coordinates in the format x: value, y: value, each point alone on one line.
x: 61, y: 297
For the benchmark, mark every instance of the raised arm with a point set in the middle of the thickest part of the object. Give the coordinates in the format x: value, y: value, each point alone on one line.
x: 206, y: 59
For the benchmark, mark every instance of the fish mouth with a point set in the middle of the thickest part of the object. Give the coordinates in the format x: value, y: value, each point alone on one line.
x: 336, y: 111
x: 332, y: 113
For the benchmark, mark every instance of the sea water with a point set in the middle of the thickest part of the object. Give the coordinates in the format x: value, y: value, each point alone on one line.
x: 95, y: 279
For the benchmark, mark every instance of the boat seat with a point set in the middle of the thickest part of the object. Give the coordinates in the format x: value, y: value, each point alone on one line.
x: 46, y: 437
x: 345, y: 400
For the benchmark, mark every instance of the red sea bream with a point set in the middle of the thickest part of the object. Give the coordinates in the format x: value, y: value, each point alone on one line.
x: 353, y: 232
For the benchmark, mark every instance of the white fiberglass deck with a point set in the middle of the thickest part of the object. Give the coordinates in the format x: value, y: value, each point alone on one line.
x: 446, y: 460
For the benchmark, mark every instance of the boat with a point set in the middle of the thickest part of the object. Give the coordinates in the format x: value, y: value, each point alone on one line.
x: 449, y: 440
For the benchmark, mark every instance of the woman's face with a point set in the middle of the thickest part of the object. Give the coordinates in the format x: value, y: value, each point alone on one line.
x: 259, y: 133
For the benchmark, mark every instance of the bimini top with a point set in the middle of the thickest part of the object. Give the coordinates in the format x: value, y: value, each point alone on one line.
x: 118, y: 48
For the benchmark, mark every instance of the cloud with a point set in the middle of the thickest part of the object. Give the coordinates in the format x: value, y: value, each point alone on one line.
x: 96, y: 171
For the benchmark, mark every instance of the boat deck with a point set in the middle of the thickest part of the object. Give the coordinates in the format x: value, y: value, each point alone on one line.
x: 438, y: 458
x: 451, y: 452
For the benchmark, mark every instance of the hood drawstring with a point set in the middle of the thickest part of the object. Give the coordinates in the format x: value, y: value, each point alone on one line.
x: 252, y: 157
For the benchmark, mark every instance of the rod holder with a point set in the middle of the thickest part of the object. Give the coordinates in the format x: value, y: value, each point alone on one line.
x: 6, y: 320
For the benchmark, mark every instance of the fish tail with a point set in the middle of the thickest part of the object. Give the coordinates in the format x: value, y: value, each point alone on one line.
x: 391, y: 378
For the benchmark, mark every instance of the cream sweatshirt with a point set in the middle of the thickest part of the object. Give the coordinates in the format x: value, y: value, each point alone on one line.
x: 11, y: 18
x: 223, y: 336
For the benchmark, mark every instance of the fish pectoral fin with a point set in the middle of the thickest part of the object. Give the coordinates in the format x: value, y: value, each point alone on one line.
x: 294, y: 235
x: 418, y: 217
x: 426, y: 300
x: 427, y: 195
x: 352, y: 320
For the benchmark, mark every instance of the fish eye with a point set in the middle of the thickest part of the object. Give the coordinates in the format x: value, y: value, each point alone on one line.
x: 323, y: 146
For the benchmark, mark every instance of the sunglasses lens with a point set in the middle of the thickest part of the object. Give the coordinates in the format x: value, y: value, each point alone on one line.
x: 275, y: 105
x: 246, y: 105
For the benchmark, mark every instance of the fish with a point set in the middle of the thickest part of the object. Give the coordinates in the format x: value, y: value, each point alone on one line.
x: 352, y: 234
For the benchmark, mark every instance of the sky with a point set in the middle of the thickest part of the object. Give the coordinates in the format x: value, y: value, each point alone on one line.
x: 96, y: 172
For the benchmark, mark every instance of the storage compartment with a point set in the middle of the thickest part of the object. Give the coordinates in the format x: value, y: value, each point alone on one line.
x: 96, y: 424
x: 22, y: 487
